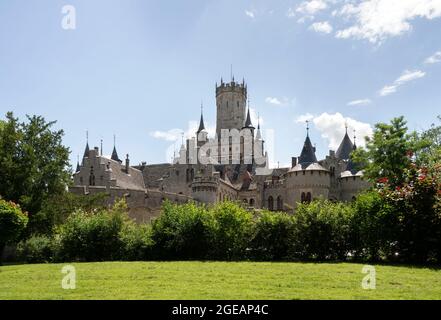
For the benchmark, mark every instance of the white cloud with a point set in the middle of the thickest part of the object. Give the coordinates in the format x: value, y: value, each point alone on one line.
x: 304, y: 117
x: 376, y: 20
x: 361, y: 102
x: 272, y: 100
x: 435, y: 58
x: 250, y: 14
x: 291, y: 13
x: 321, y: 27
x: 405, y: 77
x: 311, y: 7
x: 284, y: 101
x: 332, y: 128
x: 387, y: 90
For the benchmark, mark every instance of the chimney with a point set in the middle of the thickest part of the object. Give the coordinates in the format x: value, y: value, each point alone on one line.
x: 127, y: 164
x: 293, y: 162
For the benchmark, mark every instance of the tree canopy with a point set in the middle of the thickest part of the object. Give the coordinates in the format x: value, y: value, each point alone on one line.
x: 35, y: 164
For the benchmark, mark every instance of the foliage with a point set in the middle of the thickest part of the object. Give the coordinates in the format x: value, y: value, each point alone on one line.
x: 230, y: 231
x: 36, y: 249
x: 322, y: 230
x: 135, y: 242
x: 181, y: 232
x: 388, y: 153
x: 92, y: 236
x: 55, y: 210
x: 34, y: 162
x: 12, y: 223
x: 273, y: 236
x: 372, y: 227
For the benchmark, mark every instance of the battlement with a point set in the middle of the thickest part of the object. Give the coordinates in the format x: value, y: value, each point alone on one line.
x: 232, y: 86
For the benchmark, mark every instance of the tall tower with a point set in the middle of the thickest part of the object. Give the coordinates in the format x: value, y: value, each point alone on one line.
x: 230, y: 105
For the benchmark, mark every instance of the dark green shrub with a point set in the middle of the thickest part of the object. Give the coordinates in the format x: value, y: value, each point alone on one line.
x: 373, y: 227
x: 36, y: 249
x: 231, y: 231
x: 136, y: 242
x: 92, y: 236
x: 273, y: 236
x: 322, y: 231
x: 12, y: 223
x: 181, y: 232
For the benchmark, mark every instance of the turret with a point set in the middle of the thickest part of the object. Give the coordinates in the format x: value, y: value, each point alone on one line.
x: 201, y: 134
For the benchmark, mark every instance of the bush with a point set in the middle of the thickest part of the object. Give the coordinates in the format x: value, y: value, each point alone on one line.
x: 373, y: 227
x: 92, y: 236
x: 36, y: 249
x: 12, y: 223
x: 181, y: 232
x: 231, y: 230
x: 273, y: 236
x: 322, y: 231
x: 136, y: 242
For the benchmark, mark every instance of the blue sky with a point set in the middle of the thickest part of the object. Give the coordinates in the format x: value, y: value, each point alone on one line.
x: 139, y: 69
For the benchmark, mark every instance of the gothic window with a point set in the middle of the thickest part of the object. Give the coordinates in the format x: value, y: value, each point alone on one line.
x: 192, y: 174
x: 251, y: 202
x: 187, y: 176
x: 279, y: 203
x: 332, y: 169
x: 308, y: 197
x: 271, y: 203
x: 303, y: 197
x: 91, y: 177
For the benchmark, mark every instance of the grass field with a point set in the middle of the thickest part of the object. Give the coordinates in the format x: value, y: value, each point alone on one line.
x: 217, y: 280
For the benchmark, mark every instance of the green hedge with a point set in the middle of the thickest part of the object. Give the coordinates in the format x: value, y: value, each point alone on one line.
x: 368, y: 229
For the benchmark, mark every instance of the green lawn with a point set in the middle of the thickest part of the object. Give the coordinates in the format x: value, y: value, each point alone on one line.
x: 217, y: 280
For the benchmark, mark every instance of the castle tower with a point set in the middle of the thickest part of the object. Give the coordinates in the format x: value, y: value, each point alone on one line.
x: 230, y: 105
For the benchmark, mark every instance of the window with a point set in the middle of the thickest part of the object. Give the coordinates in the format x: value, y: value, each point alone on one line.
x: 279, y: 203
x: 306, y: 197
x: 271, y: 203
x: 251, y: 202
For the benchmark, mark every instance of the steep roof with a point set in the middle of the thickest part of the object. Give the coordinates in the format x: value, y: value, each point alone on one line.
x: 258, y: 134
x: 115, y: 155
x: 308, y: 153
x: 86, y: 151
x: 345, y: 148
x: 201, y: 124
x: 248, y: 123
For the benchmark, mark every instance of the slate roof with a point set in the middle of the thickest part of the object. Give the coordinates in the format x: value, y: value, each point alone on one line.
x: 308, y: 153
x: 114, y: 156
x: 201, y: 124
x: 308, y: 167
x: 248, y: 123
x: 132, y: 180
x: 345, y: 148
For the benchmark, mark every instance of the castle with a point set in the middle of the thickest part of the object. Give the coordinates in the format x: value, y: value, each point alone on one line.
x: 233, y: 165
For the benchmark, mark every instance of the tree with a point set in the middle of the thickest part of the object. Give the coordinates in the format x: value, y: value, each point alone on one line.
x: 12, y: 223
x: 35, y: 164
x: 389, y: 152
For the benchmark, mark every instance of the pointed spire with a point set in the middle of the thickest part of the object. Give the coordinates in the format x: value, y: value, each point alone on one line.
x: 86, y: 151
x: 201, y: 122
x: 258, y: 135
x: 308, y: 152
x: 101, y: 147
x: 248, y: 123
x: 114, y: 153
x: 346, y: 147
x: 78, y: 164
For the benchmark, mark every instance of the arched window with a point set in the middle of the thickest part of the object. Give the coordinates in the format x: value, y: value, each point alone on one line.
x: 279, y: 203
x: 308, y: 197
x: 188, y: 175
x: 91, y: 177
x: 303, y: 197
x: 251, y: 202
x: 271, y: 203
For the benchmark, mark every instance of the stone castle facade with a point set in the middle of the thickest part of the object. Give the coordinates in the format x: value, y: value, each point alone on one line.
x: 233, y: 165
